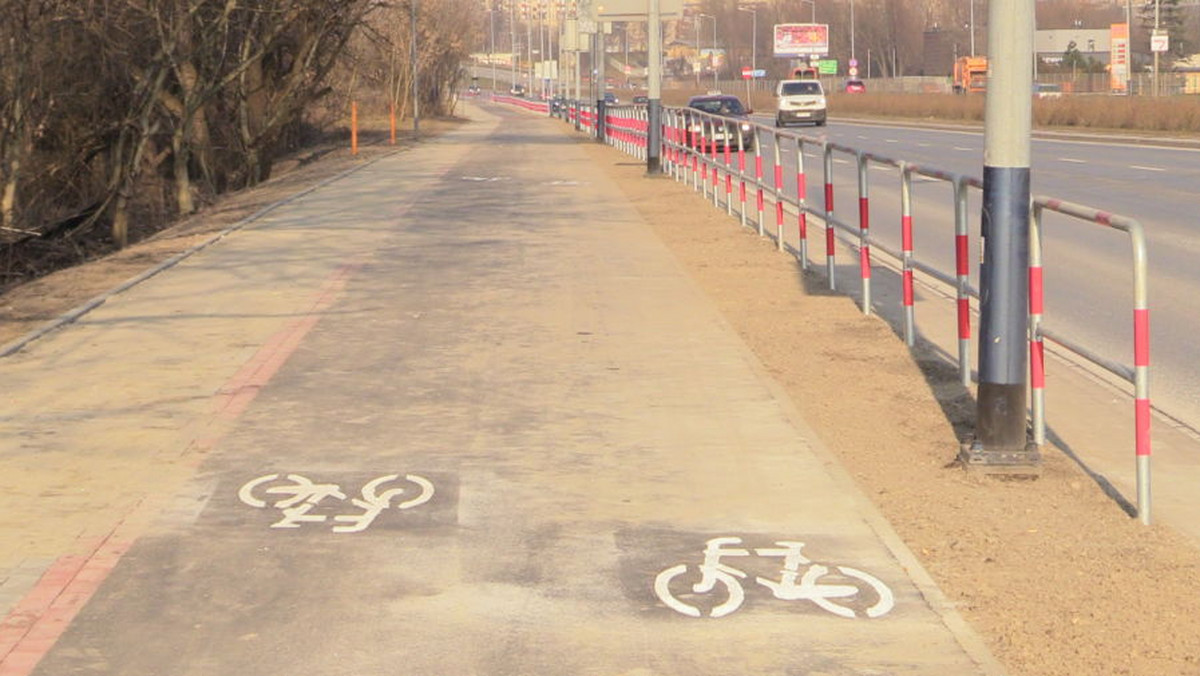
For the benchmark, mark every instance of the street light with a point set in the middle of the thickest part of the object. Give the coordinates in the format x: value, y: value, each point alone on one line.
x: 492, y: 44
x: 814, y: 9
x: 852, y: 59
x: 753, y: 46
x: 753, y: 36
x: 713, y: 54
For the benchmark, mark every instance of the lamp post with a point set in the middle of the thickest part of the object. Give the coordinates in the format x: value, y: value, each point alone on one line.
x: 753, y: 46
x: 712, y: 59
x: 698, y: 51
x: 814, y: 9
x: 972, y: 27
x: 852, y: 30
x: 512, y: 44
x: 492, y: 44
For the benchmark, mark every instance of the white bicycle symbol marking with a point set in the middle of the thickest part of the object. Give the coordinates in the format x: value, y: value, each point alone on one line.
x: 304, y: 496
x: 792, y: 585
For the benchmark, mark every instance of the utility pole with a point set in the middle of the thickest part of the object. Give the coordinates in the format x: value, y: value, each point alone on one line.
x: 654, y: 95
x: 492, y: 44
x: 512, y: 43
x: 1001, y: 440
x: 753, y: 47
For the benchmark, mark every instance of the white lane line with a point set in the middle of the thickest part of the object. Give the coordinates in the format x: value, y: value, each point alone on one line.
x: 838, y: 160
x: 1072, y: 160
x: 890, y: 140
x: 1138, y: 166
x: 862, y: 137
x: 922, y: 145
x: 962, y: 148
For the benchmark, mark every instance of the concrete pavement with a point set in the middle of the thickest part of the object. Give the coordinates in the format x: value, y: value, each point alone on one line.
x: 456, y: 413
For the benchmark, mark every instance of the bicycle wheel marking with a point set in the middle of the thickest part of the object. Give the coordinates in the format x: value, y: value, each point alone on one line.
x: 834, y: 588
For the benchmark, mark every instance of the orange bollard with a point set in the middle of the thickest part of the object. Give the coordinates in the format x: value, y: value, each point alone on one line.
x: 392, y: 118
x: 353, y: 127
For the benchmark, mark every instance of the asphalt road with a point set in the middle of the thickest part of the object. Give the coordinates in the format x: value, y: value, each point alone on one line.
x: 1088, y: 267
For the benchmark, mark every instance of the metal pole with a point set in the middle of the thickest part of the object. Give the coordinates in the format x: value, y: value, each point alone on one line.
x: 852, y: 29
x: 1001, y: 437
x: 1157, y: 91
x: 512, y: 45
x: 492, y: 44
x: 972, y: 27
x: 864, y: 230
x: 698, y: 17
x: 906, y: 246
x: 654, y: 95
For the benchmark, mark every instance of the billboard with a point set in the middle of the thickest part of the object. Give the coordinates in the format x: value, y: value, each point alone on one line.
x: 630, y: 10
x: 1119, y: 58
x: 801, y: 39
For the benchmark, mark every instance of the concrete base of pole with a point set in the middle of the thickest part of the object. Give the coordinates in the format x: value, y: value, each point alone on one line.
x: 1023, y: 463
x: 1002, y: 444
x: 654, y: 138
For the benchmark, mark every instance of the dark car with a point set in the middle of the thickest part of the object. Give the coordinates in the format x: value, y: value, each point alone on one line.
x: 855, y: 87
x: 610, y: 99
x: 736, y: 118
x: 517, y: 90
x: 641, y: 99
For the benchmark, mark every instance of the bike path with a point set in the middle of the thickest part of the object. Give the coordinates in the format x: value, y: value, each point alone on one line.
x: 459, y: 412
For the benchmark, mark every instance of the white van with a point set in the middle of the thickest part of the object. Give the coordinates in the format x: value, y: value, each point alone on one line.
x: 799, y: 101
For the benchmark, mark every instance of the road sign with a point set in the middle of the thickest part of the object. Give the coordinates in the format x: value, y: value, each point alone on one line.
x: 1160, y: 42
x: 747, y: 73
x: 853, y: 63
x: 853, y: 71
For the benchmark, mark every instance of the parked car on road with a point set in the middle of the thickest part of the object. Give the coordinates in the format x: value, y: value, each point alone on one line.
x: 1045, y: 90
x: 641, y: 99
x: 736, y: 120
x: 517, y: 90
x: 610, y: 99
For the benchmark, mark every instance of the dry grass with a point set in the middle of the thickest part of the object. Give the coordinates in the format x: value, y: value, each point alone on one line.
x: 1176, y: 115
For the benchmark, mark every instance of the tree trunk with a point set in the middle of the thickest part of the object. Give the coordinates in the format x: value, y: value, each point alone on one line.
x: 183, y: 180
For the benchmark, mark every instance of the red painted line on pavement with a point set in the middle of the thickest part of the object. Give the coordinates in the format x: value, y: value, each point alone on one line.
x: 39, y: 619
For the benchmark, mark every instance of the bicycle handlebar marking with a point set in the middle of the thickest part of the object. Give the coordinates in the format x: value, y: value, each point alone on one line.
x: 792, y: 585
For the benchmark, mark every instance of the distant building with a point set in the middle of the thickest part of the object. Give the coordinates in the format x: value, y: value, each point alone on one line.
x: 1093, y: 44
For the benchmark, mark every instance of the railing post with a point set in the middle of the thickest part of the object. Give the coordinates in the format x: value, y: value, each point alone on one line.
x: 1037, y: 347
x: 802, y: 198
x: 864, y: 231
x: 962, y: 272
x: 830, y: 252
x: 742, y: 182
x: 712, y: 156
x: 906, y: 246
x: 778, y: 192
x: 758, y: 182
x: 1141, y: 369
x: 729, y: 173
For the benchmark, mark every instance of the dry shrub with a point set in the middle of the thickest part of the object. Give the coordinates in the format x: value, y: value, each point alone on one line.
x: 1179, y: 114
